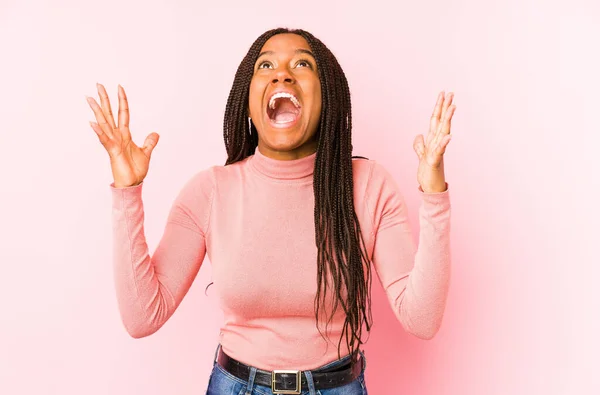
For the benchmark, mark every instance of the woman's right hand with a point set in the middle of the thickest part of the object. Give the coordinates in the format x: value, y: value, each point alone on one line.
x: 129, y: 162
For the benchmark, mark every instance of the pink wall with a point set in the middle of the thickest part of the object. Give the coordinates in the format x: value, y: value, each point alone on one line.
x: 523, y: 311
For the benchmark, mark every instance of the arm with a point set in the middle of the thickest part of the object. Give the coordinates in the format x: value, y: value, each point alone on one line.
x: 150, y: 288
x: 415, y: 278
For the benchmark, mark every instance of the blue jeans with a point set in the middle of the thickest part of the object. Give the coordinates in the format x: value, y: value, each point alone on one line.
x: 224, y: 383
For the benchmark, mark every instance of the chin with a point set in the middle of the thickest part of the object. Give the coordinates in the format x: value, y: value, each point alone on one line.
x: 282, y: 144
x: 284, y: 138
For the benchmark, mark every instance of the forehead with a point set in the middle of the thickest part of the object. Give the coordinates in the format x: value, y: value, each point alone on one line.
x: 285, y: 43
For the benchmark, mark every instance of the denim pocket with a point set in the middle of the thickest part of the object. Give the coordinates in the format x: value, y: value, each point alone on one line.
x: 223, y: 383
x: 355, y: 387
x: 363, y: 384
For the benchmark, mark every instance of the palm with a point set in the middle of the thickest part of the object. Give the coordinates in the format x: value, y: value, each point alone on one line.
x: 129, y: 162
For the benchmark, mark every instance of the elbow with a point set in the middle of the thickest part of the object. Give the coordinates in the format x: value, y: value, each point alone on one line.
x: 425, y: 329
x: 140, y: 323
x: 427, y: 333
x: 422, y: 322
x: 137, y: 331
x: 137, y: 334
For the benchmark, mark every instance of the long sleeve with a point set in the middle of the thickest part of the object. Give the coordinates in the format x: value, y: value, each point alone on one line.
x: 415, y: 278
x: 150, y: 288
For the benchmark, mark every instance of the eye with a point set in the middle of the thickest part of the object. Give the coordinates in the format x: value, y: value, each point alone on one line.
x: 304, y: 63
x: 262, y: 65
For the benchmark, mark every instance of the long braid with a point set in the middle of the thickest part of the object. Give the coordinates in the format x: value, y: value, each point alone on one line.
x: 341, y: 248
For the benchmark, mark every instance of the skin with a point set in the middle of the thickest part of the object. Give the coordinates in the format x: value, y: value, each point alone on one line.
x: 129, y: 162
x: 430, y: 150
x: 286, y: 63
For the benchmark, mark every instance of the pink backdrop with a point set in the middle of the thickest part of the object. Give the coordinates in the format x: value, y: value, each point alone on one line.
x: 523, y: 310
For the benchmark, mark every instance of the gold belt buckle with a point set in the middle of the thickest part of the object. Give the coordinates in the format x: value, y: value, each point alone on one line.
x: 280, y: 391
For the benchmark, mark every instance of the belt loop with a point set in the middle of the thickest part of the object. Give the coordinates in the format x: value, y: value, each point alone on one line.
x: 251, y: 381
x: 216, y: 354
x: 310, y: 382
x: 364, y: 360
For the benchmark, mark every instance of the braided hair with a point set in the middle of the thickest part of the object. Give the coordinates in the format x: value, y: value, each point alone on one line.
x: 341, y: 248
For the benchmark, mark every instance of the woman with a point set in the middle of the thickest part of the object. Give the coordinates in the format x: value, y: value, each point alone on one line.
x: 290, y: 204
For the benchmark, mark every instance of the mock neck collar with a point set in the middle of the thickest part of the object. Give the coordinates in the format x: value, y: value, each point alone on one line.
x: 283, y: 169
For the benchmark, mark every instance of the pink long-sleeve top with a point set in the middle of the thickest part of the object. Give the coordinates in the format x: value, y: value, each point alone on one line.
x: 255, y: 221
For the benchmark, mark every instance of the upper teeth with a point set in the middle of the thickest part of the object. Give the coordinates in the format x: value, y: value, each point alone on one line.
x: 280, y: 95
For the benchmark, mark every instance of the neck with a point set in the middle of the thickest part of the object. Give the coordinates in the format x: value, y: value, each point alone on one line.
x: 300, y: 168
x: 301, y: 152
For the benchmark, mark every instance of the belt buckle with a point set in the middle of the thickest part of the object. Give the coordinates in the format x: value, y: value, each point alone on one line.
x: 281, y: 391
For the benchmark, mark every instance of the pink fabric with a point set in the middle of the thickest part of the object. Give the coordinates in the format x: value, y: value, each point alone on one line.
x: 255, y: 222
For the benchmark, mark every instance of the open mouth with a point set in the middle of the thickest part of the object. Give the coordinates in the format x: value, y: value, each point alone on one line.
x: 283, y: 109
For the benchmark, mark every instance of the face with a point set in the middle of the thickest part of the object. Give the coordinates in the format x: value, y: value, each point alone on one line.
x: 285, y: 98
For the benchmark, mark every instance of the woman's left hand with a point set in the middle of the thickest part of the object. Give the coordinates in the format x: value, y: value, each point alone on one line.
x: 430, y: 173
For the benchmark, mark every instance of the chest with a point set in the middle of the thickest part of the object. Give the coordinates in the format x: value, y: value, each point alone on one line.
x: 263, y: 251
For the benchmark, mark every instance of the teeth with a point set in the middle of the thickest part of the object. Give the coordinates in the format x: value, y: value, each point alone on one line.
x: 280, y: 95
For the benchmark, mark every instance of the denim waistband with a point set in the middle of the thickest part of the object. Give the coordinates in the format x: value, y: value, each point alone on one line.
x: 328, y: 365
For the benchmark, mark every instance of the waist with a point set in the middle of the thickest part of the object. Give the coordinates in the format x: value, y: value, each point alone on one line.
x: 291, y: 381
x: 270, y: 350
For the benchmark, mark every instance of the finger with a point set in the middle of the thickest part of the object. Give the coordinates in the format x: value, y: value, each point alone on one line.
x: 105, y: 101
x: 437, y: 110
x: 446, y: 124
x: 441, y: 149
x: 124, y: 114
x: 101, y: 135
x: 150, y: 143
x: 435, y: 117
x: 99, y: 114
x: 446, y: 105
x: 419, y: 146
x: 123, y: 110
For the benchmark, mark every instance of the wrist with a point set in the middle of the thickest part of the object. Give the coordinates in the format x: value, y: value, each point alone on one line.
x: 435, y: 188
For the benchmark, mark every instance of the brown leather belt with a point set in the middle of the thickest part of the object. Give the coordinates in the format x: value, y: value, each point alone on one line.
x: 292, y: 381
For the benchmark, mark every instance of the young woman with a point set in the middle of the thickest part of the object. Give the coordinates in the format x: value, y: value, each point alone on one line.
x: 292, y: 224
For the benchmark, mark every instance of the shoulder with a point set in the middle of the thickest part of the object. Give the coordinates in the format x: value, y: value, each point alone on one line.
x: 371, y: 175
x: 380, y: 191
x: 200, y: 185
x: 201, y: 179
x: 361, y: 171
x: 216, y: 174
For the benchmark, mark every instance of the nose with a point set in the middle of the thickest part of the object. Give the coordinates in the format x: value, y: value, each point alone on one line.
x: 283, y: 75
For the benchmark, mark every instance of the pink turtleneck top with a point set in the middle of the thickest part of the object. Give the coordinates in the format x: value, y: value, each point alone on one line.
x: 254, y: 220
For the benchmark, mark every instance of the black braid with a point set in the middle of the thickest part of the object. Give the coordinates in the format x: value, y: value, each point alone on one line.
x: 341, y: 248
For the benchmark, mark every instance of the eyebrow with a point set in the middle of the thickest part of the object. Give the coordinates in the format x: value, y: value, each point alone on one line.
x: 301, y: 50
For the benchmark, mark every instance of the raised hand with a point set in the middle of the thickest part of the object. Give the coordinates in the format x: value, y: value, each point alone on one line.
x: 129, y: 162
x: 430, y: 173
